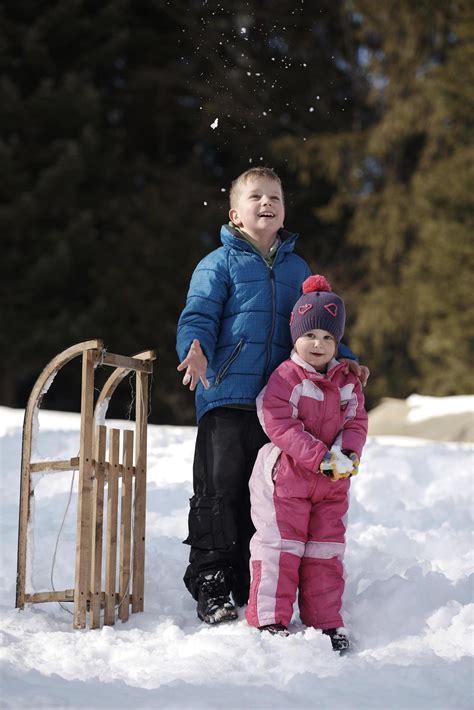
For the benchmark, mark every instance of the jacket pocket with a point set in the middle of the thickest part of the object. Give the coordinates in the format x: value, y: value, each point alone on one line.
x: 228, y: 362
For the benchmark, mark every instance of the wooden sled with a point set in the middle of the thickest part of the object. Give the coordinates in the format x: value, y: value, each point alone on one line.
x: 99, y: 475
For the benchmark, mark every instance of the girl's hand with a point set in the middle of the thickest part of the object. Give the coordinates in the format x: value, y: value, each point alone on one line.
x: 336, y: 464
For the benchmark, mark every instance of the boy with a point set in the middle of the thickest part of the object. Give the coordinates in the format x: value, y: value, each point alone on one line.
x: 312, y: 410
x: 232, y: 334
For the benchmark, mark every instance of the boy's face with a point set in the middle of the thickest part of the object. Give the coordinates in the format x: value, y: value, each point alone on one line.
x: 259, y: 208
x: 316, y: 347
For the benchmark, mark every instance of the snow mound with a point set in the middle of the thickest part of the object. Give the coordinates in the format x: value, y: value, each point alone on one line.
x: 407, y: 603
x: 434, y: 418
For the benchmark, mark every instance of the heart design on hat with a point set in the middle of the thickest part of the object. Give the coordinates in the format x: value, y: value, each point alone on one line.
x: 304, y: 308
x: 331, y: 308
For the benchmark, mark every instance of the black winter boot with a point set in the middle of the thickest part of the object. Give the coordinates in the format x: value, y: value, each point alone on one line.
x: 339, y: 639
x: 275, y: 629
x: 214, y: 605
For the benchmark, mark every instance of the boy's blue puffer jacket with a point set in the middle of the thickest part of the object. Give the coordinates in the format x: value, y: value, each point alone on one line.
x: 239, y: 309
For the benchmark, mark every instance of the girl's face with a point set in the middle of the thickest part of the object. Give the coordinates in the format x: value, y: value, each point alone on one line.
x: 316, y: 347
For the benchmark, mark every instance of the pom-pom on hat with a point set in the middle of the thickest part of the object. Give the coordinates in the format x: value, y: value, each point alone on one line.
x: 318, y: 307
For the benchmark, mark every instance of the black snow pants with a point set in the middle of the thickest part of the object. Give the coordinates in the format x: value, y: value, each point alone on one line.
x: 220, y: 526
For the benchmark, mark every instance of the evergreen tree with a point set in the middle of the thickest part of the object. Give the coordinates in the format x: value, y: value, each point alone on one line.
x: 416, y: 222
x: 404, y: 190
x: 114, y: 181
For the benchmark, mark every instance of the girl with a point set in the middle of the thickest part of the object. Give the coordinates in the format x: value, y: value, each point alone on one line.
x: 312, y: 410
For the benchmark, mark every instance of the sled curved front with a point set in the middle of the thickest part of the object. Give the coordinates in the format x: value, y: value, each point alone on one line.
x: 40, y: 388
x: 42, y: 385
x: 119, y: 374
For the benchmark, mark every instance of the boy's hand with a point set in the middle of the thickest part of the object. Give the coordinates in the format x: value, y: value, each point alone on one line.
x: 195, y: 364
x: 361, y: 371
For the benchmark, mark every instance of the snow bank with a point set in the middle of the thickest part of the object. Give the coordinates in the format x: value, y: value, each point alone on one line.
x: 426, y: 407
x: 435, y: 418
x: 407, y: 601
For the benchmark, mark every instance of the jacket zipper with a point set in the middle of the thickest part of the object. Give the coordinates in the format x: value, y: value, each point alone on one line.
x: 269, y: 341
x: 227, y: 363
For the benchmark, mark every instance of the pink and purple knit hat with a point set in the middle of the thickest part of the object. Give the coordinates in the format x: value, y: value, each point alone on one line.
x: 318, y: 307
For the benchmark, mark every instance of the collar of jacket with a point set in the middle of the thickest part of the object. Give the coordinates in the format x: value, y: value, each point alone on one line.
x: 333, y: 366
x: 230, y: 237
x: 272, y: 252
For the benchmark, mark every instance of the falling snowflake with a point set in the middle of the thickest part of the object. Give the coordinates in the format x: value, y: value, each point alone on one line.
x: 214, y: 124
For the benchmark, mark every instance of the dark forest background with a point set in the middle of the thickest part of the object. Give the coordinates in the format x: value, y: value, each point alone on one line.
x: 113, y: 183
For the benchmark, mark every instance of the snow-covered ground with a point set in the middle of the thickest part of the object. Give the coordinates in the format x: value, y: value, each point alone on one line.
x: 407, y: 601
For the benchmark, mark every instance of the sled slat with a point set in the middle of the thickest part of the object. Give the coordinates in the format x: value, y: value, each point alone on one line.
x: 126, y: 526
x: 66, y: 465
x: 111, y: 538
x: 141, y: 415
x: 83, y: 529
x: 65, y: 596
x: 97, y: 526
x: 129, y: 363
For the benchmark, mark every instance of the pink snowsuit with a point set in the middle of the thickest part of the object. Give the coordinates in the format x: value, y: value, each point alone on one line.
x: 299, y: 513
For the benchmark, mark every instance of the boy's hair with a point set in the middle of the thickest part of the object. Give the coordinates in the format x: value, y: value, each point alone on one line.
x: 240, y: 181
